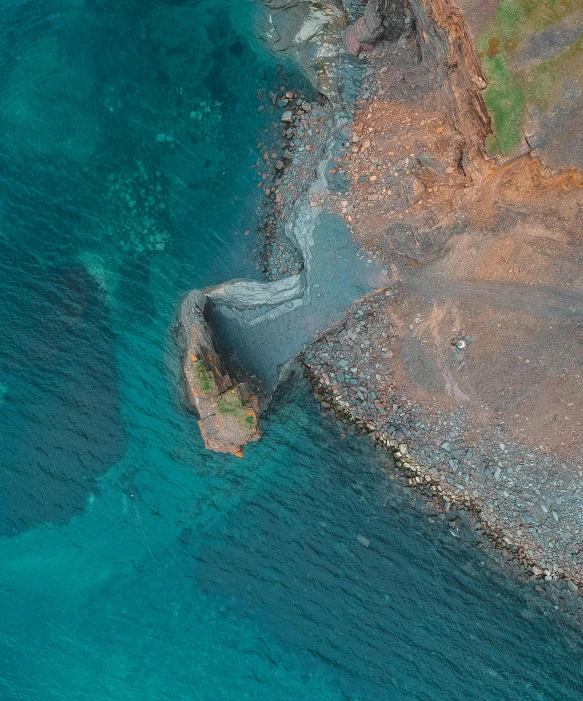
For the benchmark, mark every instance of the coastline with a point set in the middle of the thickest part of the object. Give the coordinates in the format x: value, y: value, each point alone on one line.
x: 431, y: 453
x: 400, y: 366
x: 256, y: 326
x: 143, y: 557
x: 442, y: 451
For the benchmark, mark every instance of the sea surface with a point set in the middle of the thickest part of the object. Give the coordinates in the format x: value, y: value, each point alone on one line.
x: 135, y: 565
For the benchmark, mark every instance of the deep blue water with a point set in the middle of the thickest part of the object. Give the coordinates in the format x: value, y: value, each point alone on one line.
x: 133, y: 564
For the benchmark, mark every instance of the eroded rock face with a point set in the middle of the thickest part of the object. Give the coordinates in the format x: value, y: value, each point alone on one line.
x: 447, y: 50
x: 368, y: 29
x: 228, y: 411
x: 310, y: 32
x: 446, y: 42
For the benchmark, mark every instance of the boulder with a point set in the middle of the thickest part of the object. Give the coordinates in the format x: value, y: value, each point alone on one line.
x: 310, y: 32
x: 381, y: 20
x: 367, y: 30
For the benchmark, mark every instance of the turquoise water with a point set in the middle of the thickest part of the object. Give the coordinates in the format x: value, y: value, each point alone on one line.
x: 133, y: 564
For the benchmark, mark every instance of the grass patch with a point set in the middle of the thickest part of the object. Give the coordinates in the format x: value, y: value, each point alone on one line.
x: 231, y: 405
x: 505, y: 101
x: 509, y: 92
x: 204, y: 377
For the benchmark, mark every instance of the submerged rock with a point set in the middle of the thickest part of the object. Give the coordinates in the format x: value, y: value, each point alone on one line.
x: 228, y: 411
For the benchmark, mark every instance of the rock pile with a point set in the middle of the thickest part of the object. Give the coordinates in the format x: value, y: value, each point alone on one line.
x: 523, y: 500
x: 287, y: 168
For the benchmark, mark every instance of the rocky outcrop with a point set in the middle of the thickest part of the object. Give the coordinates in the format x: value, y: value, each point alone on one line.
x: 444, y: 38
x: 310, y: 32
x: 228, y: 411
x: 448, y: 50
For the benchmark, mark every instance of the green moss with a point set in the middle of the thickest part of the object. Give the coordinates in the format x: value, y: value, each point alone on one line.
x: 204, y: 377
x: 505, y: 101
x: 509, y: 92
x: 231, y: 405
x: 508, y: 16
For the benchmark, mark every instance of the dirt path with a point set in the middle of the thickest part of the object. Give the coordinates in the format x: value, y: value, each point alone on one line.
x: 544, y: 302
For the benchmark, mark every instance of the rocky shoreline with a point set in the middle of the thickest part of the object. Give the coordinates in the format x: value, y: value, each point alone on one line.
x: 292, y: 179
x: 403, y: 365
x: 289, y: 161
x: 448, y: 459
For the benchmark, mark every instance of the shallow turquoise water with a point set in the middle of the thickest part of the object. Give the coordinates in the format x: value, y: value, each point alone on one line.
x: 133, y: 564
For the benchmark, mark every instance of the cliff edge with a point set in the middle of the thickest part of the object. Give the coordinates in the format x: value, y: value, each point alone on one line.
x: 468, y: 366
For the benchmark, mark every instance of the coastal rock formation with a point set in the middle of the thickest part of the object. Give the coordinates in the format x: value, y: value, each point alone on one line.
x: 266, y: 323
x: 310, y: 32
x: 468, y: 366
x: 228, y: 411
x: 448, y: 49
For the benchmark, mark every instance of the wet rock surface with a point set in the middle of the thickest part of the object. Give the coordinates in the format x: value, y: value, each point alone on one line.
x: 310, y: 32
x: 291, y: 153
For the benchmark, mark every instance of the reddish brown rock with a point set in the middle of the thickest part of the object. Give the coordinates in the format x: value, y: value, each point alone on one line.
x: 353, y: 44
x: 228, y: 412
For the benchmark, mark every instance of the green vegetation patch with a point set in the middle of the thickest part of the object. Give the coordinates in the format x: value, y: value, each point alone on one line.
x: 231, y: 405
x: 204, y: 377
x: 509, y: 90
x: 505, y: 101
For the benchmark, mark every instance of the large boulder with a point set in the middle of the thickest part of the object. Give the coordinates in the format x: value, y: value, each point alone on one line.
x: 367, y: 29
x: 381, y: 20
